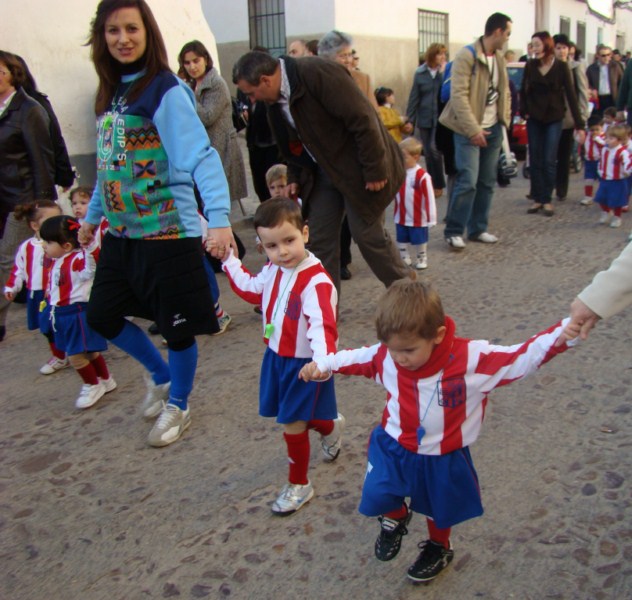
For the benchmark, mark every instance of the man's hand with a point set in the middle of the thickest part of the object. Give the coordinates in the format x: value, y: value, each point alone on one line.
x: 86, y: 233
x: 376, y: 186
x: 580, y: 137
x: 291, y: 191
x: 480, y: 139
x: 582, y: 321
x: 621, y: 116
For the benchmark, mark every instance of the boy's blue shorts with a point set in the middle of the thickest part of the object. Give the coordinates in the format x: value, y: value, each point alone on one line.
x: 590, y: 169
x: 411, y: 235
x: 284, y: 396
x: 443, y: 487
x: 33, y: 299
x: 72, y: 333
x: 45, y: 325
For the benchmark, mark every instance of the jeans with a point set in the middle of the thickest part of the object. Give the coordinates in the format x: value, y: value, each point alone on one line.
x: 564, y: 150
x: 471, y: 197
x: 15, y: 232
x: 434, y: 158
x: 543, y: 142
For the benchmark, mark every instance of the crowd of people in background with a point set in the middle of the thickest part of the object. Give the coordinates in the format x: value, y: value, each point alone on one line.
x: 329, y: 153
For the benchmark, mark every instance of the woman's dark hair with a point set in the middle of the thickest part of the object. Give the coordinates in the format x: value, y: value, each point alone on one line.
x: 61, y: 229
x: 29, y: 210
x: 199, y: 49
x: 14, y: 67
x: 29, y: 85
x: 381, y: 94
x: 108, y: 68
x: 547, y: 42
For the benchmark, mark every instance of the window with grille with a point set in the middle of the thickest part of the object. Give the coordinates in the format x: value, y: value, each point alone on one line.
x: 433, y: 28
x: 620, y: 45
x: 267, y: 25
x: 565, y: 26
x: 581, y: 36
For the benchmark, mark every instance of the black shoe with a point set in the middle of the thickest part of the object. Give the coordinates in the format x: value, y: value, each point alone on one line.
x: 153, y: 329
x: 3, y: 332
x: 345, y: 274
x: 389, y: 541
x: 430, y: 562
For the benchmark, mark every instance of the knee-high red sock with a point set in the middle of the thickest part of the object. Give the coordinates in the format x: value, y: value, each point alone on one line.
x: 100, y: 367
x: 322, y: 427
x: 440, y: 536
x: 399, y: 514
x: 298, y: 456
x: 88, y: 374
x: 588, y: 190
x: 56, y: 352
x: 617, y: 211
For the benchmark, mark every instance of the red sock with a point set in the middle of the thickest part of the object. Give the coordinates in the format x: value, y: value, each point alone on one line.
x: 604, y: 208
x: 588, y: 190
x: 100, y: 367
x: 56, y: 352
x: 617, y: 211
x: 298, y: 456
x: 439, y: 536
x: 322, y: 427
x: 88, y: 374
x: 399, y: 514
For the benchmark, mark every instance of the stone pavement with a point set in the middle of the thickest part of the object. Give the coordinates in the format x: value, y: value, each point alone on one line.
x: 88, y: 511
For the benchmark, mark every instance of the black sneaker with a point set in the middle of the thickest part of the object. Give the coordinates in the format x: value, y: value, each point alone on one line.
x: 153, y: 329
x: 389, y: 541
x: 432, y: 559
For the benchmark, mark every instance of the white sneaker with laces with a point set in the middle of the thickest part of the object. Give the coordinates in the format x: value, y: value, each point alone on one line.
x: 604, y: 218
x: 422, y: 262
x: 109, y: 384
x: 485, y: 238
x: 155, y: 399
x: 223, y: 323
x: 455, y: 242
x: 170, y: 425
x: 586, y: 201
x: 89, y: 395
x: 292, y: 497
x: 616, y: 222
x: 332, y: 443
x: 53, y: 365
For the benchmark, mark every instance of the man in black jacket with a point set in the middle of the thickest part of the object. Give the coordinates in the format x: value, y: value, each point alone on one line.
x: 604, y: 80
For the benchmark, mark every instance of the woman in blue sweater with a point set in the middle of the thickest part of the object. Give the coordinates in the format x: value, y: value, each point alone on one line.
x: 151, y: 146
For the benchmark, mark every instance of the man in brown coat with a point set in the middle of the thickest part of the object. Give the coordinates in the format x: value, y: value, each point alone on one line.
x: 340, y: 158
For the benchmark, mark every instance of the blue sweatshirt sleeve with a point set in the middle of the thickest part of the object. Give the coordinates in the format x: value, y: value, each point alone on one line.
x: 186, y: 143
x: 95, y: 207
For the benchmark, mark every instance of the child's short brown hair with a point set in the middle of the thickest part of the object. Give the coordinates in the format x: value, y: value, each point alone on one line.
x: 276, y: 211
x: 81, y: 191
x: 409, y: 308
x: 617, y: 131
x: 276, y: 172
x: 411, y: 145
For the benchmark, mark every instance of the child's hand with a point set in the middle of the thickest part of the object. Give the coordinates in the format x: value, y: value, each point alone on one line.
x: 311, y: 372
x: 407, y: 128
x: 10, y: 296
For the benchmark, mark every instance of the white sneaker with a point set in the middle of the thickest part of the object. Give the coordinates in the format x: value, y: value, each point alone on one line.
x: 616, y: 222
x: 586, y: 201
x: 407, y: 260
x: 485, y: 238
x: 223, y: 323
x: 90, y: 395
x: 422, y: 262
x: 456, y: 242
x: 332, y: 443
x: 155, y: 399
x: 604, y: 218
x: 170, y: 425
x: 53, y: 365
x: 292, y: 497
x: 109, y: 384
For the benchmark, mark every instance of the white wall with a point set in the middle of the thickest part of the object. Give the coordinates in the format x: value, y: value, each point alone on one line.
x: 50, y: 36
x: 306, y: 18
x: 227, y: 19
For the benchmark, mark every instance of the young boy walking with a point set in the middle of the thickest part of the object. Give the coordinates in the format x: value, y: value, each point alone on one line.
x: 437, y: 386
x: 298, y: 301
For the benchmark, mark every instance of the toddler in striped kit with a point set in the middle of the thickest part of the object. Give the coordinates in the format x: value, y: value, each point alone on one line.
x: 615, y: 166
x: 593, y: 144
x: 437, y: 386
x: 415, y: 209
x: 299, y: 303
x: 69, y: 289
x: 31, y: 270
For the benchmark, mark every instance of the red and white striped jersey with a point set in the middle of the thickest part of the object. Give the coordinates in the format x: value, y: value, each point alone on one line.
x: 72, y: 275
x: 441, y: 409
x: 615, y: 163
x: 300, y: 304
x: 415, y: 202
x: 31, y: 268
x: 593, y: 145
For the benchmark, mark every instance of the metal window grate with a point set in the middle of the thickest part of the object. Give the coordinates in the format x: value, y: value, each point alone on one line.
x: 565, y: 26
x: 433, y: 28
x: 267, y: 25
x: 581, y: 36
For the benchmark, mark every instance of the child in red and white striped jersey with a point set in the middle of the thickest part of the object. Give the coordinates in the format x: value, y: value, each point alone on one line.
x: 437, y: 386
x: 593, y: 144
x: 70, y: 283
x: 615, y: 166
x: 298, y: 301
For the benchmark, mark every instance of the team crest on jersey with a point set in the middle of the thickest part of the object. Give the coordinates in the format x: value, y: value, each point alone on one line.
x: 293, y: 307
x: 451, y: 392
